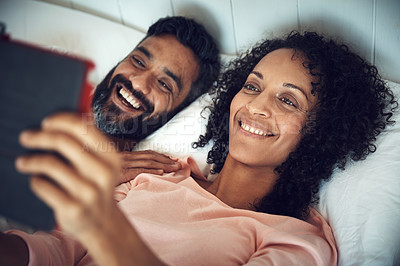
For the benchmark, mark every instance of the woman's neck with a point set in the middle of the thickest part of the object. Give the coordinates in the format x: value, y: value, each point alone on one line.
x: 240, y: 185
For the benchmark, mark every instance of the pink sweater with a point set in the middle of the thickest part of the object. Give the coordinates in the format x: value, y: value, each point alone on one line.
x: 186, y: 225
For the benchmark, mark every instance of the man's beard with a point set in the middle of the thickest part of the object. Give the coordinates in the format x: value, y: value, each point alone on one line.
x: 110, y: 119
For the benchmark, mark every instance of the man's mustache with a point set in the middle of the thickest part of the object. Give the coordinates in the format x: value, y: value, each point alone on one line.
x: 148, y: 106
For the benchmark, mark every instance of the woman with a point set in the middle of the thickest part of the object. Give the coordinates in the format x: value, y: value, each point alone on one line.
x: 277, y: 136
x: 354, y: 107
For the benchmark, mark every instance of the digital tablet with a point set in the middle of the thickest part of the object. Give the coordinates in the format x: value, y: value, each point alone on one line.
x: 34, y: 82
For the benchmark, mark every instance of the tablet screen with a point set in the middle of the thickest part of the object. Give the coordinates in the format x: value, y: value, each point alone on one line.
x: 34, y: 83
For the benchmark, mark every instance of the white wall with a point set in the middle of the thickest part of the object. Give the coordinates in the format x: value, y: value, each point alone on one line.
x: 372, y: 27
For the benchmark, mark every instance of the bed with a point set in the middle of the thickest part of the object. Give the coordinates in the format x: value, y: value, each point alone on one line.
x: 362, y: 203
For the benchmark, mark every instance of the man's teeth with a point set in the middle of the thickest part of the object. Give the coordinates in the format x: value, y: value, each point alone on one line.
x: 254, y: 130
x: 128, y: 97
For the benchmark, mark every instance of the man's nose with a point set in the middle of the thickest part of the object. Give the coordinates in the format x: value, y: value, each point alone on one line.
x: 140, y: 83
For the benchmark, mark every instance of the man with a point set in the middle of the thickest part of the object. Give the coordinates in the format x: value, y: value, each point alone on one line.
x: 176, y: 62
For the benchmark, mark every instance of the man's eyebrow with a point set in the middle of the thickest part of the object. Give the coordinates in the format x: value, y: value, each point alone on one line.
x: 174, y: 77
x: 144, y: 51
x: 292, y: 86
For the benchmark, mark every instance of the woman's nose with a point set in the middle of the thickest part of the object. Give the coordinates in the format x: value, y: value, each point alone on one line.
x: 260, y: 107
x: 140, y: 83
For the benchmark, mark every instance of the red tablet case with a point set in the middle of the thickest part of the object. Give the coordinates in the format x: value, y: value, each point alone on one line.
x: 34, y: 82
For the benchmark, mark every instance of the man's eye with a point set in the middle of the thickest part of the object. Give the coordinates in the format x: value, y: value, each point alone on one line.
x: 250, y: 87
x: 165, y: 85
x: 137, y: 62
x: 287, y: 101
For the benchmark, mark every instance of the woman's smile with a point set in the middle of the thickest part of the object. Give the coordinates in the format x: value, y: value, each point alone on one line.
x: 255, y: 130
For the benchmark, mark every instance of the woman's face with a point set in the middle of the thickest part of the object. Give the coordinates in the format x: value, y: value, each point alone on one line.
x: 267, y: 114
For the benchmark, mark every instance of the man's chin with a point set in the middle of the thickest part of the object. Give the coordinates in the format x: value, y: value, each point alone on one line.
x: 131, y: 129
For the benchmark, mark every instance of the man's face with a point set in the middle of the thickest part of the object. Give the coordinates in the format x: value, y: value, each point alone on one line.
x: 152, y: 81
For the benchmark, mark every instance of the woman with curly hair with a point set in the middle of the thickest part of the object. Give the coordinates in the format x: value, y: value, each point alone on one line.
x: 285, y: 114
x: 354, y: 107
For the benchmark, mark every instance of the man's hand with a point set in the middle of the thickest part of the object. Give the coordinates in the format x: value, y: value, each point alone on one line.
x: 151, y: 162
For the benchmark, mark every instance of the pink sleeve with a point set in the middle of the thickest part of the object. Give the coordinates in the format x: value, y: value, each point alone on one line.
x: 310, y: 245
x: 55, y: 248
x: 121, y: 191
x: 292, y: 253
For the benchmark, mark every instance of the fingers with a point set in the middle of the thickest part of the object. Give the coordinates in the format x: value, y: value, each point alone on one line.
x: 83, y: 161
x: 149, y: 164
x: 149, y: 160
x: 149, y: 155
x: 71, y: 213
x: 79, y: 177
x: 60, y: 173
x: 83, y: 129
x: 50, y: 193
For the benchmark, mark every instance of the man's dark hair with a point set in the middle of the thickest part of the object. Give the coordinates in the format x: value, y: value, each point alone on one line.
x: 194, y: 36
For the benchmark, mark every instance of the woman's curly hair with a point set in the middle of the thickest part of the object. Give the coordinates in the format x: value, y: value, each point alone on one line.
x: 354, y: 107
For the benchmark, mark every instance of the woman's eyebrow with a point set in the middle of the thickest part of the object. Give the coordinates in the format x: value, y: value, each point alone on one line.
x: 292, y: 86
x: 258, y: 74
x: 287, y: 85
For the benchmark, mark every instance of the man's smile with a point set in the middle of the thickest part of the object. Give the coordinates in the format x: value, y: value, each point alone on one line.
x: 127, y: 99
x: 130, y: 100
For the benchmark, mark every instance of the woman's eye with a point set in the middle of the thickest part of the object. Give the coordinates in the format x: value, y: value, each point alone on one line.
x: 250, y: 87
x: 287, y: 101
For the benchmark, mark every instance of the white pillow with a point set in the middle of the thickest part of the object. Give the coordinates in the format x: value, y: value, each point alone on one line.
x: 362, y: 203
x: 70, y: 31
x: 176, y: 137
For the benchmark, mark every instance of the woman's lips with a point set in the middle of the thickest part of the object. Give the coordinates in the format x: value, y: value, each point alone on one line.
x: 255, y: 130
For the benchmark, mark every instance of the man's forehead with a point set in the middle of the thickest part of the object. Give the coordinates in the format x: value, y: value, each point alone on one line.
x: 164, y: 41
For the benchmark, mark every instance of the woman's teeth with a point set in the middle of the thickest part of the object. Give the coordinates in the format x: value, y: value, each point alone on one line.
x: 254, y: 130
x: 128, y: 97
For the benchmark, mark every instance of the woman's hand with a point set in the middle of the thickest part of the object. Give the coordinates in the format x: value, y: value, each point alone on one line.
x: 80, y: 171
x: 77, y: 179
x: 137, y: 162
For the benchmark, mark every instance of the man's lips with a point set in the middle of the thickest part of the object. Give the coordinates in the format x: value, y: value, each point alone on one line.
x: 127, y: 98
x: 255, y: 129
